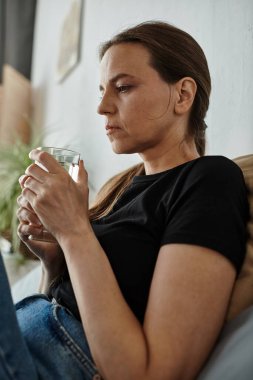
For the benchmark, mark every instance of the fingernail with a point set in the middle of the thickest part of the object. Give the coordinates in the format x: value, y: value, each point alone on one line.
x: 21, y: 178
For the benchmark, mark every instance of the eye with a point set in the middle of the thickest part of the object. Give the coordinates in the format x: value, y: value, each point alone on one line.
x: 123, y: 88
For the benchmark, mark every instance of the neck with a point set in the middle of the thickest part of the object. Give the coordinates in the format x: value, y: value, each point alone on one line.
x: 169, y: 158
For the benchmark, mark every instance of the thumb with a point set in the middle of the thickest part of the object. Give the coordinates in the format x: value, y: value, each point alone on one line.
x: 82, y: 176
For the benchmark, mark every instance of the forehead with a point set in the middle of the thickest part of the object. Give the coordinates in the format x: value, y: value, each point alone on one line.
x: 132, y: 58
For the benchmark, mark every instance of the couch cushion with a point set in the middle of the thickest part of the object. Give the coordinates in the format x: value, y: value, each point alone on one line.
x: 232, y: 356
x: 242, y: 296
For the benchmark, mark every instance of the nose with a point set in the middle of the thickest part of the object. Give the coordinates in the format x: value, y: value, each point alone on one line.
x: 106, y: 105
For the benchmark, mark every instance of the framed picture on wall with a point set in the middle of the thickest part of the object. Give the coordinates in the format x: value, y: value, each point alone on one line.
x: 69, y: 47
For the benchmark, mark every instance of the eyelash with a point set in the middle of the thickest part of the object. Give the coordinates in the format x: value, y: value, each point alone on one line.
x: 123, y: 88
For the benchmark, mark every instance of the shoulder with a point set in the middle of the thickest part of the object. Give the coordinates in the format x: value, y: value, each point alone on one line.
x: 216, y: 169
x: 216, y: 177
x: 207, y: 175
x: 217, y: 164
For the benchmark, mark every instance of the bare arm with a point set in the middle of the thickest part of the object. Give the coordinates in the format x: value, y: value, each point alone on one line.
x: 188, y: 299
x: 48, y: 275
x: 44, y: 282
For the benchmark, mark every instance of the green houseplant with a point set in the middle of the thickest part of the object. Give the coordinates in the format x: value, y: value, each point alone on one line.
x: 13, y: 162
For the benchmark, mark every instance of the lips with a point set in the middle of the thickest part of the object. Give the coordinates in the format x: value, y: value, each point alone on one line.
x: 110, y: 129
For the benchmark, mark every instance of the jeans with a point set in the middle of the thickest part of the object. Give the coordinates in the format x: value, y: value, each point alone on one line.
x: 41, y: 340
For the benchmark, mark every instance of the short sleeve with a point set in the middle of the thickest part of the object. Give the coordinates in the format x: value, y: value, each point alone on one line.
x: 209, y: 208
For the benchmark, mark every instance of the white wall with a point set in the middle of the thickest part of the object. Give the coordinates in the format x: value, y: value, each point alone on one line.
x: 224, y: 29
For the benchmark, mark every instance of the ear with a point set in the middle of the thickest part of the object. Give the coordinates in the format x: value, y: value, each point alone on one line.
x: 185, y: 90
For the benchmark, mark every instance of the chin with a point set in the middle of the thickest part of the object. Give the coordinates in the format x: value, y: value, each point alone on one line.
x: 123, y: 149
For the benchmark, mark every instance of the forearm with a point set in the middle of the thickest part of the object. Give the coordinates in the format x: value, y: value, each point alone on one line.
x: 115, y: 336
x: 45, y: 280
x: 48, y: 275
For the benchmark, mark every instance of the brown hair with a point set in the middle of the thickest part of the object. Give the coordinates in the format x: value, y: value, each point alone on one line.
x: 174, y: 55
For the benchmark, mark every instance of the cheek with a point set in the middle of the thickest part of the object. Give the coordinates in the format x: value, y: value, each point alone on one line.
x: 158, y: 107
x: 137, y: 108
x: 131, y: 112
x: 154, y: 106
x: 145, y: 108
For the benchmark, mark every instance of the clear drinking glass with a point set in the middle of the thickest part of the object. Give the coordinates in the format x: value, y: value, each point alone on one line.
x: 69, y: 160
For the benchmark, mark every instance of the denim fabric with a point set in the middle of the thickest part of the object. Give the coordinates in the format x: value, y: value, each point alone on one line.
x: 41, y: 340
x: 15, y: 360
x: 55, y: 339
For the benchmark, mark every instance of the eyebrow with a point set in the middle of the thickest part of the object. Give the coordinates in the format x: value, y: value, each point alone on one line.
x: 117, y: 77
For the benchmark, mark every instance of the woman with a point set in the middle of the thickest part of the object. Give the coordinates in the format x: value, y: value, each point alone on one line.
x: 153, y: 263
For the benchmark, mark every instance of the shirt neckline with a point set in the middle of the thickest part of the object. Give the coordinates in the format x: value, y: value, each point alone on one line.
x: 151, y: 177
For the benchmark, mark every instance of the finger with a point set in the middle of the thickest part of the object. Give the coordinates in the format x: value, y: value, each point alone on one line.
x: 33, y: 185
x: 46, y: 159
x: 36, y: 172
x: 26, y: 216
x: 25, y: 230
x: 23, y: 236
x: 22, y: 180
x: 29, y: 195
x: 22, y: 202
x: 82, y: 176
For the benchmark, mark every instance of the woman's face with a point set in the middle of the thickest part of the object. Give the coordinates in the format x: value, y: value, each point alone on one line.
x: 136, y: 102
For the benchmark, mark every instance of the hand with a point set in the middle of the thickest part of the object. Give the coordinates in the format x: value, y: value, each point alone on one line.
x: 60, y: 203
x: 50, y: 254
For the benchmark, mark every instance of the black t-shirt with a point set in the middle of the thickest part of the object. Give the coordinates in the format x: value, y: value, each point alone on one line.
x: 201, y: 202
